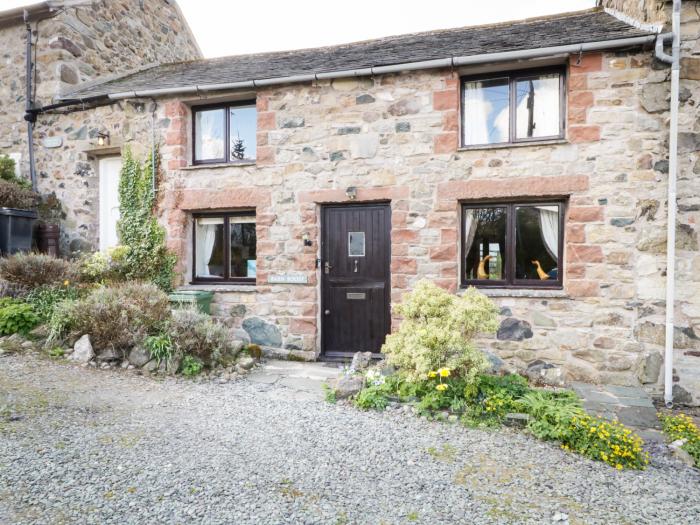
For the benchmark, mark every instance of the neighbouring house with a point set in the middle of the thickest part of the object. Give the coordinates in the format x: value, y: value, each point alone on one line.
x: 309, y: 189
x: 74, y: 42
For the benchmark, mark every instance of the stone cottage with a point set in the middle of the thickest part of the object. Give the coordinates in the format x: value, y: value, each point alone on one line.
x: 310, y: 189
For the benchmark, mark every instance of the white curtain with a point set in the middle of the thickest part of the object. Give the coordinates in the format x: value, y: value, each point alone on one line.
x: 477, y: 110
x: 206, y: 239
x: 545, y: 107
x: 470, y: 225
x: 549, y: 229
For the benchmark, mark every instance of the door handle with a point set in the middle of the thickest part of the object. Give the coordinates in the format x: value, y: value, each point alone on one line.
x: 355, y: 270
x: 327, y: 267
x: 327, y: 312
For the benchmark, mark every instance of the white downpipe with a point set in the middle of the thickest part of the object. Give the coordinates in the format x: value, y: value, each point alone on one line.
x: 672, y: 206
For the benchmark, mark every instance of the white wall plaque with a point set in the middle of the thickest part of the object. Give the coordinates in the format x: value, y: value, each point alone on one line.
x: 287, y: 278
x: 52, y: 142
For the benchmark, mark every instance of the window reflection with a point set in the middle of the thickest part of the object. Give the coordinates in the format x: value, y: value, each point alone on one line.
x: 538, y: 101
x: 486, y: 111
x: 242, y: 124
x: 209, y: 135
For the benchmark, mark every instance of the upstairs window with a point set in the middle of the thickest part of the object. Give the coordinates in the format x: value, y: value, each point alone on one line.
x: 224, y: 133
x: 513, y: 107
x: 513, y: 244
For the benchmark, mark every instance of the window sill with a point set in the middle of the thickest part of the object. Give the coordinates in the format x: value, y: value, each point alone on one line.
x: 233, y: 287
x: 520, y: 292
x: 218, y: 165
x: 513, y: 145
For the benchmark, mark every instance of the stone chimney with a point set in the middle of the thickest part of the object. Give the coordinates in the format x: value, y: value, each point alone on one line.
x: 643, y: 11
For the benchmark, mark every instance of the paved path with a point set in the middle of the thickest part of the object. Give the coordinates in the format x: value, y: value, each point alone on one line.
x: 85, y: 446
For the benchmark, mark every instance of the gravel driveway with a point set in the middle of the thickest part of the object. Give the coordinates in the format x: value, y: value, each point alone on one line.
x: 87, y: 446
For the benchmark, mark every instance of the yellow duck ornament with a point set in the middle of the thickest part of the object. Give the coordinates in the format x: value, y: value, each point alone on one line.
x: 540, y: 272
x: 481, y: 270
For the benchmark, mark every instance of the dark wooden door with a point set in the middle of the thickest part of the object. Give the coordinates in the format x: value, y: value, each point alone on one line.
x: 355, y: 283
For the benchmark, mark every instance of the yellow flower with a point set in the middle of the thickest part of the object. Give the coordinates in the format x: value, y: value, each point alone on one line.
x: 432, y: 374
x: 66, y: 282
x: 618, y: 466
x: 441, y: 387
x: 444, y: 372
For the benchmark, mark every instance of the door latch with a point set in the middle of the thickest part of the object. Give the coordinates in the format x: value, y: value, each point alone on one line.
x: 327, y: 267
x: 355, y: 270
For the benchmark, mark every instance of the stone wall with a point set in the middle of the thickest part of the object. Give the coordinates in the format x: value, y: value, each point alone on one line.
x: 81, y: 44
x: 395, y: 138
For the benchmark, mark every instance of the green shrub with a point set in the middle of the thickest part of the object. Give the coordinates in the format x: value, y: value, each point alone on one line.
x: 372, y: 397
x: 551, y: 414
x: 32, y: 270
x: 197, y: 334
x: 147, y: 257
x: 13, y: 195
x: 119, y: 316
x: 191, y: 366
x: 45, y: 298
x: 682, y: 426
x: 160, y: 347
x: 17, y: 318
x: 437, y: 332
x: 606, y: 441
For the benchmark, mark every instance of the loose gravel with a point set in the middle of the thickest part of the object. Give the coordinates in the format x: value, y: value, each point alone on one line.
x: 90, y: 446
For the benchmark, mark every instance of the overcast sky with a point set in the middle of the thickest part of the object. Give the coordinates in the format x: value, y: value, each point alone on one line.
x: 228, y: 27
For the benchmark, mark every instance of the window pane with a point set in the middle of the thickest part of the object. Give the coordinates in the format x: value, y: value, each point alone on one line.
x: 538, y: 101
x: 243, y: 123
x: 209, y: 135
x: 209, y: 235
x: 242, y: 246
x: 485, y: 243
x: 356, y: 244
x: 537, y: 242
x: 486, y: 111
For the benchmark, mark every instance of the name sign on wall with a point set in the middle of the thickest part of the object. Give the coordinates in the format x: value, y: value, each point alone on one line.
x: 288, y: 278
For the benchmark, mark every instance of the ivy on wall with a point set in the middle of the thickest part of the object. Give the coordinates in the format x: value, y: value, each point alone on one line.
x: 146, y: 256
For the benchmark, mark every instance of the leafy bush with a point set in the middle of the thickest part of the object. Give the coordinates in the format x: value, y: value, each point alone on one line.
x: 147, y: 257
x: 103, y: 268
x: 606, y: 441
x: 32, y: 270
x: 191, y: 366
x: 17, y: 318
x: 437, y: 332
x: 197, y: 334
x: 160, y: 347
x: 120, y: 316
x: 683, y: 427
x: 7, y: 168
x: 551, y: 414
x: 13, y: 195
x: 373, y: 397
x: 45, y: 298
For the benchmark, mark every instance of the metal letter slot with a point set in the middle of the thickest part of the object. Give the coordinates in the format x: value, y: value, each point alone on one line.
x: 356, y: 296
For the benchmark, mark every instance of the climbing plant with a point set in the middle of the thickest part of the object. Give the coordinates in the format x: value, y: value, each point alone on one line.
x: 146, y: 256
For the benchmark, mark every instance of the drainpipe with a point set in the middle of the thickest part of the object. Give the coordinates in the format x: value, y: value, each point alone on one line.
x: 30, y: 116
x: 674, y: 60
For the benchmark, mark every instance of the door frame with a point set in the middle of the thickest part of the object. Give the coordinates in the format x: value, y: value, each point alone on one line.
x: 336, y: 356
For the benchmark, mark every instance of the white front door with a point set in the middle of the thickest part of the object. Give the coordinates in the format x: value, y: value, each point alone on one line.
x: 109, y: 201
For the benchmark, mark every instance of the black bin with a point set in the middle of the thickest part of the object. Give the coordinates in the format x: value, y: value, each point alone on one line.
x: 16, y: 228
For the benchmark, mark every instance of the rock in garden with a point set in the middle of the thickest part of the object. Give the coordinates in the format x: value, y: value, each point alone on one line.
x: 262, y: 333
x: 348, y: 386
x: 360, y: 361
x: 542, y: 372
x: 516, y: 420
x: 512, y: 329
x: 139, y: 356
x: 151, y: 366
x: 109, y: 354
x: 82, y: 350
x: 246, y: 363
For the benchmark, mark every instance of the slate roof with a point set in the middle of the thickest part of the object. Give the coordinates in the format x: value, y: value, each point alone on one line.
x: 571, y: 28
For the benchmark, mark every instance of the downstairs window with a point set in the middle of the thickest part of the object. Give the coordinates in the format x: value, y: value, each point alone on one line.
x: 516, y: 245
x: 225, y: 248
